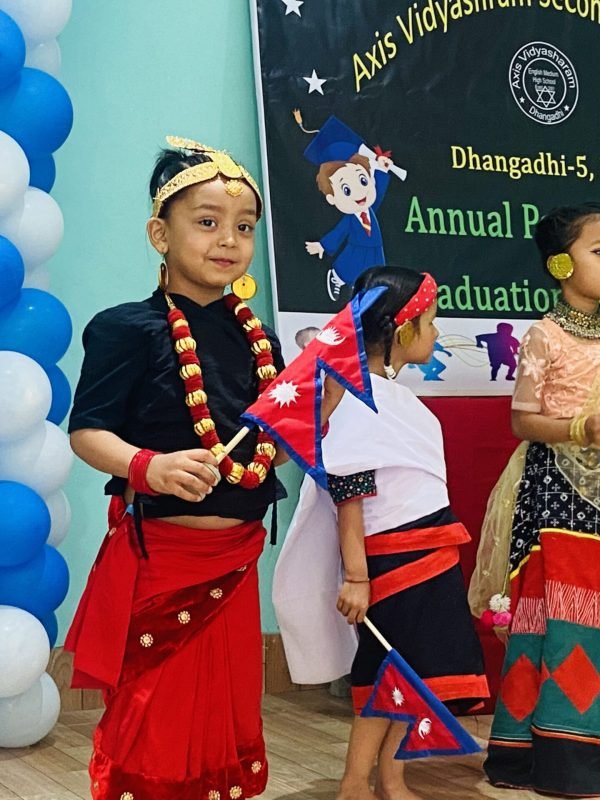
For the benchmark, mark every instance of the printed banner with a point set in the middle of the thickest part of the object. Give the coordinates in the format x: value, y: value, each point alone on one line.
x: 430, y: 134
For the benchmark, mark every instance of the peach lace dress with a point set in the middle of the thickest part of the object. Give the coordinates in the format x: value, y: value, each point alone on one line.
x: 556, y: 371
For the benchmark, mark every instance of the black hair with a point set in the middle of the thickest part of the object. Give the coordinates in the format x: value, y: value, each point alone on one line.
x: 168, y: 164
x: 558, y: 229
x: 378, y: 320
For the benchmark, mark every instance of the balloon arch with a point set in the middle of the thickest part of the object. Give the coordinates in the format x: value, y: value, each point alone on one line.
x: 35, y: 331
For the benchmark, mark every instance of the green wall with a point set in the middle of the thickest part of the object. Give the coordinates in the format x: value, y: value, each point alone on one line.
x: 137, y: 70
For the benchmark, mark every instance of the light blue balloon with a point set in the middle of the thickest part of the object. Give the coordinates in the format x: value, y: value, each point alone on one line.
x: 24, y: 523
x: 36, y: 111
x: 37, y: 325
x: 61, y: 395
x: 50, y: 623
x: 38, y: 586
x: 42, y: 173
x: 12, y: 272
x: 12, y: 50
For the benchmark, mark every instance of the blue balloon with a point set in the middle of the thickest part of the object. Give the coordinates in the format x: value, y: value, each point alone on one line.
x: 51, y: 624
x: 38, y: 586
x: 37, y: 325
x: 42, y: 172
x: 12, y: 49
x: 24, y: 523
x: 37, y: 112
x: 61, y: 395
x: 12, y: 272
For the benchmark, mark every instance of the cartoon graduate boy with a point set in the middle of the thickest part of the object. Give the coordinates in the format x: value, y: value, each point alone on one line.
x: 356, y: 185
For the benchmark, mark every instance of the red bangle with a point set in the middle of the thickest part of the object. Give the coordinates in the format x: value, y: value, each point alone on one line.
x: 324, y: 429
x: 138, y: 467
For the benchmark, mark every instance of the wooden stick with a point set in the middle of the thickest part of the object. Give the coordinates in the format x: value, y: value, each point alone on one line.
x: 233, y: 443
x: 377, y: 635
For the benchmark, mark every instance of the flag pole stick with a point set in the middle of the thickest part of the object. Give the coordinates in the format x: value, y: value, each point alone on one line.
x: 233, y: 443
x: 377, y: 635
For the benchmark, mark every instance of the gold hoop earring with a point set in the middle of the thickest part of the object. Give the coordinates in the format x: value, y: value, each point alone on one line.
x: 163, y: 276
x: 245, y: 287
x: 560, y: 266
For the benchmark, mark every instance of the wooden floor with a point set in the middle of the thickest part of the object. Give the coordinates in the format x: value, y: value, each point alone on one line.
x: 306, y: 739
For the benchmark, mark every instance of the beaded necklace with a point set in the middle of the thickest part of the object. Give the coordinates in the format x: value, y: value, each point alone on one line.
x: 578, y: 323
x: 190, y: 371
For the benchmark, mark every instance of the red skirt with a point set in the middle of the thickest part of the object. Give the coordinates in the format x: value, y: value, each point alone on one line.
x: 175, y: 643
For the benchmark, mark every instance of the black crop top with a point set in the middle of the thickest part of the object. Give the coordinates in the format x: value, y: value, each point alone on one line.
x: 130, y: 385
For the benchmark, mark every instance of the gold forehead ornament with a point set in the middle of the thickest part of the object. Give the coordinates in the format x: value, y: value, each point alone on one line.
x: 220, y: 163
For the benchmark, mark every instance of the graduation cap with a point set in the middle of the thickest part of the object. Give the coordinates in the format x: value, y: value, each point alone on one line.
x: 337, y: 142
x: 334, y: 142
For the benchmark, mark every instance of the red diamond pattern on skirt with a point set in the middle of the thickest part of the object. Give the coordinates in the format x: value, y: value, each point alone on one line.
x: 545, y: 673
x: 520, y: 688
x: 578, y: 678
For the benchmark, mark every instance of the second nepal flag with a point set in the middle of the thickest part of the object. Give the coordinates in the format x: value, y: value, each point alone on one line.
x: 400, y: 695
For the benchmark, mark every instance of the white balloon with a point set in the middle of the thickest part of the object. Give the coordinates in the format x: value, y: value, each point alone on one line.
x: 14, y: 174
x: 25, y: 396
x: 41, y: 461
x: 60, y: 517
x: 39, y: 20
x: 24, y: 651
x: 37, y: 229
x: 37, y: 278
x: 45, y: 56
x: 28, y: 717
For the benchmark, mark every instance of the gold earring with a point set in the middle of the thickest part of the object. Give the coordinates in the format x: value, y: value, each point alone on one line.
x: 560, y: 266
x: 245, y: 287
x: 406, y: 333
x: 163, y: 276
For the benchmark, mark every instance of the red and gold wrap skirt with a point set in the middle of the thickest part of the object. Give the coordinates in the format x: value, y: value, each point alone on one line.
x: 174, y: 641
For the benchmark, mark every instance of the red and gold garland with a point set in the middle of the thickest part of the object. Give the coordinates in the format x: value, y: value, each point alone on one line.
x: 254, y: 474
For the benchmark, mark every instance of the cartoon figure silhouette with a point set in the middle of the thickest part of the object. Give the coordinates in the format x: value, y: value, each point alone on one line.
x: 502, y: 348
x: 434, y: 367
x: 305, y: 336
x: 354, y: 179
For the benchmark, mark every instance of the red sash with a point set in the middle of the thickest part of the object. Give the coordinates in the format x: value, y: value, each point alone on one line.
x: 189, y: 576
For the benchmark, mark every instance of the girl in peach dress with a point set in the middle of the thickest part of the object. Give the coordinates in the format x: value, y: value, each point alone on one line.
x: 546, y: 730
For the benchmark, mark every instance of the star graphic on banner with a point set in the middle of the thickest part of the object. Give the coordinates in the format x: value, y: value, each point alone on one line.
x: 424, y: 727
x: 397, y: 697
x: 293, y: 6
x: 330, y: 336
x: 285, y: 394
x: 315, y: 84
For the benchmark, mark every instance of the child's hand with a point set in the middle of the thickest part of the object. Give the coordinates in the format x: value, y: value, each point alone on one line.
x: 188, y: 474
x: 592, y: 429
x: 353, y: 601
x: 385, y: 163
x: 315, y: 249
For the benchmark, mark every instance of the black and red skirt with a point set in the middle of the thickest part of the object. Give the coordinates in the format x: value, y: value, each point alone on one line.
x: 419, y: 603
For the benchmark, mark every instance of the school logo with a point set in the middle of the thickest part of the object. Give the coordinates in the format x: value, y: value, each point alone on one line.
x: 543, y: 83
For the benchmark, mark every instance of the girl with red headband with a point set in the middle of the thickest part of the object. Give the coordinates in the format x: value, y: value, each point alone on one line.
x: 169, y: 624
x: 387, y: 511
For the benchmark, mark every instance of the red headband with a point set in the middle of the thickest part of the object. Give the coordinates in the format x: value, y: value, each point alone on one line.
x: 420, y: 302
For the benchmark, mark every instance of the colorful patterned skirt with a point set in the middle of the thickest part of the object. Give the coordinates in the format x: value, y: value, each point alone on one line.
x: 175, y: 643
x: 546, y: 730
x: 418, y: 602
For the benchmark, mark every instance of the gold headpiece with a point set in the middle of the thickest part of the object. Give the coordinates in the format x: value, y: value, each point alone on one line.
x: 220, y: 163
